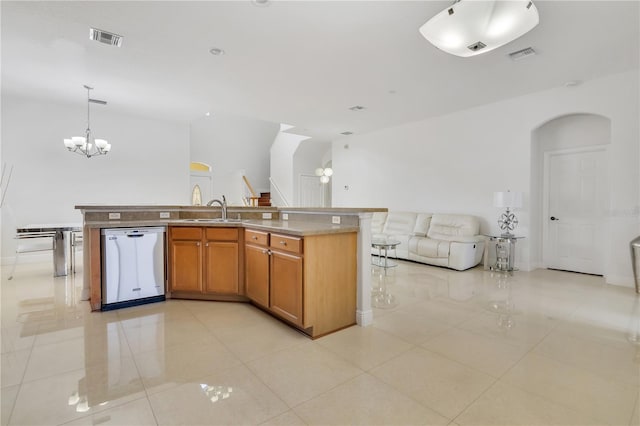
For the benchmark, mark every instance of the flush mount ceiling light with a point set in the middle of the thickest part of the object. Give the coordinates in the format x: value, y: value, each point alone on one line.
x: 216, y: 51
x: 83, y: 145
x: 470, y: 27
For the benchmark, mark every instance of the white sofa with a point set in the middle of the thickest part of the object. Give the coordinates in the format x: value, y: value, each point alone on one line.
x: 449, y: 240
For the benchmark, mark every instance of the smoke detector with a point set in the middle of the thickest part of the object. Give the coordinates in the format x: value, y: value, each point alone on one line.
x: 105, y: 37
x: 522, y: 53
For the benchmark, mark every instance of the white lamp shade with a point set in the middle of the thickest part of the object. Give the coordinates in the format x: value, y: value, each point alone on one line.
x: 507, y: 199
x: 101, y: 143
x: 107, y: 147
x: 460, y: 27
x: 319, y: 171
x: 328, y: 171
x: 68, y: 143
x: 324, y: 179
x: 78, y: 140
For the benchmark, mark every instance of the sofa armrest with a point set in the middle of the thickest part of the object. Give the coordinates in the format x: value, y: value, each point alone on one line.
x: 464, y: 239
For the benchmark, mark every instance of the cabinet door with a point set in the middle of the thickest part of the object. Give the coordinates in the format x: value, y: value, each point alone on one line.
x: 221, y: 267
x: 286, y: 286
x: 257, y: 274
x: 186, y: 266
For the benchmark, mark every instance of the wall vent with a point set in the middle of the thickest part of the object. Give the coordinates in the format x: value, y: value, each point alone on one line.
x: 105, y: 37
x: 523, y: 53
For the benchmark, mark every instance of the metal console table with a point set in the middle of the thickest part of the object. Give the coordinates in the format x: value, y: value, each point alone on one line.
x: 61, y: 240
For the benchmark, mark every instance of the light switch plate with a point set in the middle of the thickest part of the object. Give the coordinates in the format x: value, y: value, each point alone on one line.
x: 114, y: 216
x: 335, y: 220
x: 266, y: 215
x: 165, y: 215
x: 285, y: 216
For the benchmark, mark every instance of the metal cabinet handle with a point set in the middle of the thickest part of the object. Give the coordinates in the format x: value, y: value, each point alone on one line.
x: 197, y: 244
x: 206, y: 245
x: 254, y: 238
x: 284, y: 243
x: 554, y: 218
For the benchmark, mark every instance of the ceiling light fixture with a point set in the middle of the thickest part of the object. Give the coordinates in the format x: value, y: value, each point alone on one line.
x: 86, y: 145
x: 261, y: 3
x: 357, y: 108
x: 470, y: 27
x: 324, y: 174
x: 215, y: 51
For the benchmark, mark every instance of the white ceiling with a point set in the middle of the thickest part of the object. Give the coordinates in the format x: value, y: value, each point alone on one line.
x: 299, y: 62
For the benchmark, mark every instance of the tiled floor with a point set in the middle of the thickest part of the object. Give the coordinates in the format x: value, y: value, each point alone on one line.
x: 460, y: 348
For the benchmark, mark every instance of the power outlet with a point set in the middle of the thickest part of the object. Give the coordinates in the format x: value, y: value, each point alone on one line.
x: 285, y: 216
x: 266, y: 215
x: 114, y: 216
x: 335, y: 220
x: 165, y: 215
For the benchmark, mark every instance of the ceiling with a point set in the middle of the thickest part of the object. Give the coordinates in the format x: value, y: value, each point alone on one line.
x: 299, y: 62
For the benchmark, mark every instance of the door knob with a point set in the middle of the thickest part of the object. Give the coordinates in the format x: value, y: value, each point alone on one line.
x: 554, y: 218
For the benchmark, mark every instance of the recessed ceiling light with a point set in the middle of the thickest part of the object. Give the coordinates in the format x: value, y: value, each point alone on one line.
x: 215, y: 51
x: 572, y: 83
x: 207, y: 114
x: 357, y: 108
x: 105, y: 37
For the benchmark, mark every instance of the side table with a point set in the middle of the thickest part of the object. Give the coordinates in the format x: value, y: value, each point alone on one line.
x: 505, y: 246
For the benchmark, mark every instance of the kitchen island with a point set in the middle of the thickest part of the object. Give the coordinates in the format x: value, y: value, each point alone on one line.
x: 308, y: 267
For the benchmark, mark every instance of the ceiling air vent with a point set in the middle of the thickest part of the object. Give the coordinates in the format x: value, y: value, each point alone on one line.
x: 522, y: 53
x: 105, y: 37
x: 346, y: 133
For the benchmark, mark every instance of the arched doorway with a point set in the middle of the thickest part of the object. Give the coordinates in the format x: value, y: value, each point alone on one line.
x: 569, y: 157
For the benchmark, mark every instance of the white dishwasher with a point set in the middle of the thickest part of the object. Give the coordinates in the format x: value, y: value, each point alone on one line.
x: 133, y: 266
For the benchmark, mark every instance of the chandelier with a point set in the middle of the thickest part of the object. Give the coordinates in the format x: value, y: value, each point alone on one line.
x: 86, y: 145
x: 324, y: 174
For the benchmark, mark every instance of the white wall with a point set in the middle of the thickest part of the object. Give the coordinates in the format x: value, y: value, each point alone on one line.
x: 232, y: 145
x: 454, y: 163
x: 148, y: 163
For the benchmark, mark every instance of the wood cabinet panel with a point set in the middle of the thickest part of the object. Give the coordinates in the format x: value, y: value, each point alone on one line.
x: 286, y: 243
x: 221, y: 267
x: 256, y: 237
x: 186, y: 265
x: 221, y: 234
x: 186, y: 233
x: 286, y: 286
x: 257, y: 274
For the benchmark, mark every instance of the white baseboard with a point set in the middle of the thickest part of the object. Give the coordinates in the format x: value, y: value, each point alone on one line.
x: 364, y: 318
x: 619, y: 280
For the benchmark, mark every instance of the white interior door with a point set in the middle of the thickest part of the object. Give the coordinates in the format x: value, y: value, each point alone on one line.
x: 311, y: 191
x: 574, y: 207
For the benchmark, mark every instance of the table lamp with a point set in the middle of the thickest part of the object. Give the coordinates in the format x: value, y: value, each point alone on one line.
x: 509, y: 200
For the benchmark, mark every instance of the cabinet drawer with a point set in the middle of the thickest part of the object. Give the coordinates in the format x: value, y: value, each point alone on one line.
x: 221, y: 234
x: 185, y: 233
x: 286, y: 243
x: 256, y: 237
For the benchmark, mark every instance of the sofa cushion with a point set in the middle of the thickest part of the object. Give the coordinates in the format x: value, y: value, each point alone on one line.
x: 377, y: 222
x: 400, y: 223
x: 450, y: 226
x: 428, y: 247
x: 423, y: 220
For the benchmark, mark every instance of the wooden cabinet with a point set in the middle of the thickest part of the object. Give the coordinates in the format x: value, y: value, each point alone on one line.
x: 221, y: 261
x: 204, y: 261
x: 185, y: 254
x: 309, y: 282
x: 257, y: 273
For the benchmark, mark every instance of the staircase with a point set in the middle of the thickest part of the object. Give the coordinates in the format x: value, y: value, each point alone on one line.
x: 265, y: 199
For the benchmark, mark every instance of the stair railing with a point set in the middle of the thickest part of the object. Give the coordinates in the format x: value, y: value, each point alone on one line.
x: 253, y: 198
x: 280, y: 194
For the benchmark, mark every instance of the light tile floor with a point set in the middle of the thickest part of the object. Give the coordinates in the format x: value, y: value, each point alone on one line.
x: 460, y: 348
